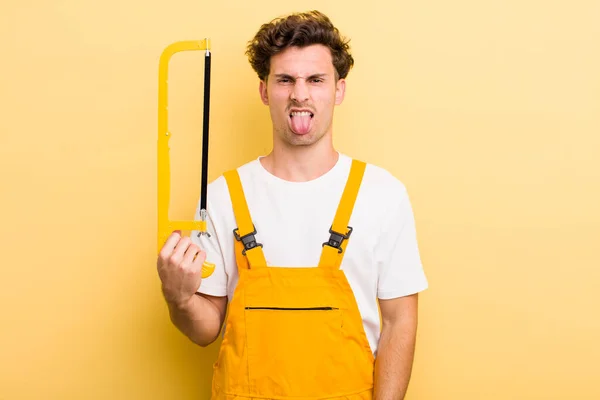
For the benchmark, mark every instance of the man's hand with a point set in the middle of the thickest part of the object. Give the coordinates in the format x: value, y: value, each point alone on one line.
x: 198, y: 316
x: 179, y: 268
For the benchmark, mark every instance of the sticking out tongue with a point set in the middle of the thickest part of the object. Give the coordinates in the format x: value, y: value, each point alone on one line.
x: 301, y: 123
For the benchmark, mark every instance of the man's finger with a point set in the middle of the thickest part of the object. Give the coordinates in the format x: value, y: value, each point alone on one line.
x: 182, y: 246
x: 199, y: 258
x: 190, y: 254
x: 170, y: 243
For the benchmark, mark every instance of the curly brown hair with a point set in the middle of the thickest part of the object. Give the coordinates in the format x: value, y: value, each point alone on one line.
x: 298, y: 29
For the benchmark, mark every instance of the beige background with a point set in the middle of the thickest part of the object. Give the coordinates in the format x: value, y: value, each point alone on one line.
x: 489, y: 112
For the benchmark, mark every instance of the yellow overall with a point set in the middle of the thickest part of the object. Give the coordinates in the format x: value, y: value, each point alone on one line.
x: 293, y: 333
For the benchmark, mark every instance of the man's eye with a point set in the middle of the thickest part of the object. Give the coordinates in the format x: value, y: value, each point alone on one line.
x: 317, y: 80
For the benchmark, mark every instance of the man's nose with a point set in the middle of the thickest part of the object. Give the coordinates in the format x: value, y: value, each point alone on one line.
x: 300, y: 92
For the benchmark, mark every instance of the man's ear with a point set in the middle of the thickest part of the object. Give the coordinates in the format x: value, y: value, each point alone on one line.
x: 340, y: 91
x: 262, y: 88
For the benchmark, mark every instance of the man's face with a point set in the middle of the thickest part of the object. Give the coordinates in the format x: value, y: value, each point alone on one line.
x: 301, y: 92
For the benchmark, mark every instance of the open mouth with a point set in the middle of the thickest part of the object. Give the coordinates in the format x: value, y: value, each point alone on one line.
x: 301, y: 121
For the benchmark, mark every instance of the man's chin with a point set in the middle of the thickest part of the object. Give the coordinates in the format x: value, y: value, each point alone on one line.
x: 305, y: 139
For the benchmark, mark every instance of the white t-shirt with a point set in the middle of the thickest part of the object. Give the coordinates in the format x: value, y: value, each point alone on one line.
x: 292, y: 220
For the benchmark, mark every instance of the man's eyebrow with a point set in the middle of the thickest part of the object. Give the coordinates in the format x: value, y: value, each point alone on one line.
x: 283, y: 76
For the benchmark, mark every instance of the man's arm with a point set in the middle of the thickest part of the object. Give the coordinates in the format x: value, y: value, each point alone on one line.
x: 396, y: 347
x: 179, y: 265
x: 200, y: 319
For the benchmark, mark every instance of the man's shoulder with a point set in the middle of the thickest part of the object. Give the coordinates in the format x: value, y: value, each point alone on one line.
x: 380, y: 180
x: 218, y: 187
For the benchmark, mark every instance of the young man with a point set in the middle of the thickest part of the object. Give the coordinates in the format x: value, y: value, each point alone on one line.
x: 316, y: 255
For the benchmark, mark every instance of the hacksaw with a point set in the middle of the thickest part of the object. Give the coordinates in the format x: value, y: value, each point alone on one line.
x: 165, y: 225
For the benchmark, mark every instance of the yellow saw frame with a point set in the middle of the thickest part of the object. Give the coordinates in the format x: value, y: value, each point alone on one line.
x: 165, y: 225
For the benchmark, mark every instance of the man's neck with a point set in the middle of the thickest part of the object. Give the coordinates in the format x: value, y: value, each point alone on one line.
x: 300, y: 163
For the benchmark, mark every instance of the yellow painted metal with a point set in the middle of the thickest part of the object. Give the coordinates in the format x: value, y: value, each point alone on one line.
x: 165, y: 225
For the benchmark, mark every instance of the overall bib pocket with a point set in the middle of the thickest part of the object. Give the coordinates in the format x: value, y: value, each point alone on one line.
x: 293, y: 351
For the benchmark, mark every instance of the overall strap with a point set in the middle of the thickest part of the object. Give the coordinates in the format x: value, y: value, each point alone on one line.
x: 333, y: 249
x: 249, y: 253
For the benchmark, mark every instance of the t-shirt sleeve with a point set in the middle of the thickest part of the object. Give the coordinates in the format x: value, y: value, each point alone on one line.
x: 215, y: 284
x: 398, y: 260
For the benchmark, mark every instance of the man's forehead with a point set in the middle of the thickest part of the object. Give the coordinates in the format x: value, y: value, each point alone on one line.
x: 299, y: 74
x: 302, y: 69
x: 305, y: 61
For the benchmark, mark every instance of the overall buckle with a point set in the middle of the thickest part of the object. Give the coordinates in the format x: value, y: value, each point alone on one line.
x: 336, y: 239
x: 248, y: 240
